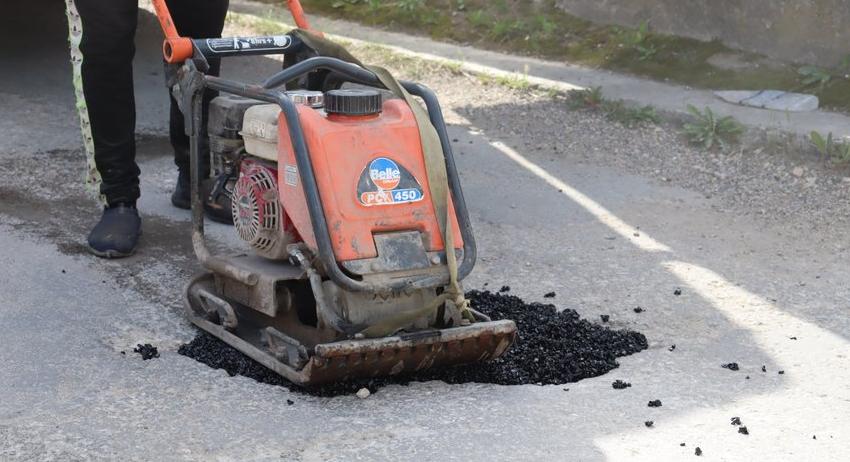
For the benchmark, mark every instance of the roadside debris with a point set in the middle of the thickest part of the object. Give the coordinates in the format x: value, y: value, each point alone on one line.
x: 605, y: 317
x: 649, y: 423
x: 638, y: 309
x: 654, y: 403
x: 730, y: 366
x: 677, y: 292
x: 549, y: 295
x: 289, y: 402
x: 736, y: 421
x: 505, y: 289
x: 363, y: 393
x: 672, y: 347
x: 553, y: 347
x: 764, y: 368
x: 147, y: 351
x: 743, y: 430
x: 698, y: 451
x: 776, y: 100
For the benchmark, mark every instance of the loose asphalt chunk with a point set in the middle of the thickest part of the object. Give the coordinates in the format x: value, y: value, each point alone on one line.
x: 654, y: 403
x: 743, y: 430
x: 147, y: 351
x: 552, y: 347
x: 698, y: 451
x: 649, y: 423
x: 730, y: 366
x: 620, y: 385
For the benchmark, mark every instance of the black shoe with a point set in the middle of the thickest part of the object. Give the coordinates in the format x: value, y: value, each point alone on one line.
x: 180, y: 198
x: 117, y: 232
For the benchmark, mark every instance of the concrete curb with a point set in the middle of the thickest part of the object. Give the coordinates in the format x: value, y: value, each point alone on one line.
x: 562, y: 76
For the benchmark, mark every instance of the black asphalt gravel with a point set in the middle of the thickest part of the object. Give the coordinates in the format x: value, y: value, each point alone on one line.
x: 620, y: 385
x: 147, y: 351
x: 553, y: 347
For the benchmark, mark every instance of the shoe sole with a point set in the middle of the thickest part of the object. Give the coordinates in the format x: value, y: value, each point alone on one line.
x: 111, y: 254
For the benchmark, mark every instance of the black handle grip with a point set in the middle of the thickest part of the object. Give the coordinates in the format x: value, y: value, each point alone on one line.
x: 247, y: 46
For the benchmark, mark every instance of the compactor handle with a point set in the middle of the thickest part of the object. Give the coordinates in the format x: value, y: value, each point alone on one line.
x: 176, y: 49
x: 298, y: 14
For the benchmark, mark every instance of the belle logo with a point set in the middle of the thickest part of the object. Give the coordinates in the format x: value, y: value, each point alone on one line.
x: 384, y: 173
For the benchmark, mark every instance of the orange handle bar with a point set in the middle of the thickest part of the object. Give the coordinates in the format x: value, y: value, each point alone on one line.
x: 177, y: 49
x: 298, y: 14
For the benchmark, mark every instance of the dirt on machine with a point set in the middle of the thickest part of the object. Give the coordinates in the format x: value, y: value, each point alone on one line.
x: 342, y: 185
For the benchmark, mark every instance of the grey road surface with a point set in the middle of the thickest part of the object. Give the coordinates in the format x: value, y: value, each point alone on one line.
x: 604, y: 239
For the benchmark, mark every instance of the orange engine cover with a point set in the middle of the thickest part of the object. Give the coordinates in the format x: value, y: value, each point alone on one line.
x: 370, y: 173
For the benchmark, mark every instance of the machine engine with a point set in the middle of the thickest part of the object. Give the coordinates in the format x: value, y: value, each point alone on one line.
x: 258, y: 216
x: 243, y: 144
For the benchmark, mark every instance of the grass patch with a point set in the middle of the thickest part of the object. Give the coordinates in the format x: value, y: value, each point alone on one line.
x: 514, y: 82
x: 708, y: 130
x: 540, y: 29
x: 829, y: 148
x: 615, y: 110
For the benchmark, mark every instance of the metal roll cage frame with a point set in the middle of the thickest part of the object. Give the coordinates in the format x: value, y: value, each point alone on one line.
x: 192, y: 83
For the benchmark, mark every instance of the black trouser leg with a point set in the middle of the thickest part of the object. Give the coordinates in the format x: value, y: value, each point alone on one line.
x: 109, y: 27
x: 196, y: 19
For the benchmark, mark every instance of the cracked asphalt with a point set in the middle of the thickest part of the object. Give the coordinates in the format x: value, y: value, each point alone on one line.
x: 606, y: 237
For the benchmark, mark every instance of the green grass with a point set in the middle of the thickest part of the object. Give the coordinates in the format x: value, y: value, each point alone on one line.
x: 539, y: 29
x: 708, y: 130
x: 615, y: 110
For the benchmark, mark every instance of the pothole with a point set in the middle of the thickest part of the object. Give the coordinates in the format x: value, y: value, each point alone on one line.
x: 553, y: 347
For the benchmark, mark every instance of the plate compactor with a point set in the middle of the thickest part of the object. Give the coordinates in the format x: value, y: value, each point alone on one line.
x: 345, y: 189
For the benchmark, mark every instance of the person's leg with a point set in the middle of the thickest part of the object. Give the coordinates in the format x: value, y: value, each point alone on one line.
x: 102, y: 33
x: 196, y: 19
x: 107, y: 48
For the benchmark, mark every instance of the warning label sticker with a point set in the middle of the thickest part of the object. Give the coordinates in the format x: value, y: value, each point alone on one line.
x: 290, y: 175
x: 230, y: 44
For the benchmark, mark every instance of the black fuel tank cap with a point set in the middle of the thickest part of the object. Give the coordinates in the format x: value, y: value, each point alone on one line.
x: 353, y: 101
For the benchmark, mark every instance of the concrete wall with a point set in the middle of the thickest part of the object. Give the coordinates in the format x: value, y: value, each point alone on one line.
x: 805, y: 31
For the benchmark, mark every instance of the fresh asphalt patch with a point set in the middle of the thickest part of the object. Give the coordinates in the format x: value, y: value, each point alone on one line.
x: 552, y: 347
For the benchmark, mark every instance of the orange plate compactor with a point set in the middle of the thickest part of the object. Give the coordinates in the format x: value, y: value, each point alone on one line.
x: 345, y: 192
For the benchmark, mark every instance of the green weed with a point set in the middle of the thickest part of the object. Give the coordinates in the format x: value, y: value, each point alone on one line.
x: 836, y: 151
x: 589, y: 98
x: 410, y: 5
x: 616, y: 110
x: 709, y: 131
x: 630, y: 117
